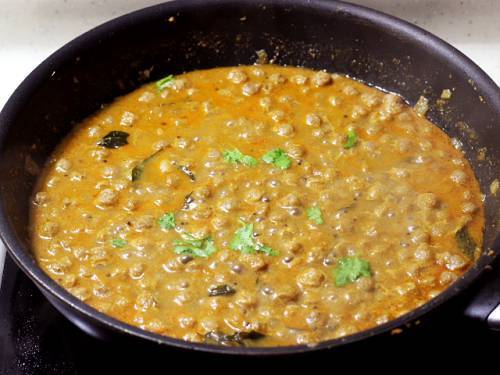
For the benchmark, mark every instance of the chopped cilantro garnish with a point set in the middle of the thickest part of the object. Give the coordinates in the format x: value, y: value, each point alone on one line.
x: 167, y: 221
x: 244, y: 241
x: 352, y: 139
x: 118, y: 242
x: 266, y: 249
x: 350, y: 269
x: 314, y: 214
x: 190, y: 245
x: 278, y: 157
x: 235, y: 156
x: 165, y: 82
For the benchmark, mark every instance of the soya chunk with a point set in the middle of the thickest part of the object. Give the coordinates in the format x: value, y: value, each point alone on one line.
x: 107, y: 197
x: 321, y: 79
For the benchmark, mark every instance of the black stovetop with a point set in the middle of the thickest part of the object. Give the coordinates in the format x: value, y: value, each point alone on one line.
x: 36, y: 339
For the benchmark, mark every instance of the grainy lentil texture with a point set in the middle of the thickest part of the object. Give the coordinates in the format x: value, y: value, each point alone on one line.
x: 390, y: 188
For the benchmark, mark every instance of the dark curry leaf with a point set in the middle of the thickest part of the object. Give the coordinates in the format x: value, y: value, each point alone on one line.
x: 137, y: 171
x: 465, y: 242
x: 188, y: 199
x: 236, y: 339
x: 188, y: 172
x: 139, y: 168
x: 221, y: 290
x: 114, y: 139
x: 250, y: 335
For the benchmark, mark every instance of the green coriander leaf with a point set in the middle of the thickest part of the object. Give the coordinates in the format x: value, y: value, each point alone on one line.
x: 350, y: 269
x: 352, y: 139
x: 249, y: 161
x: 190, y: 245
x: 244, y: 241
x: 266, y: 250
x: 165, y: 82
x: 314, y: 214
x: 167, y: 221
x: 278, y: 157
x: 235, y: 156
x: 118, y: 242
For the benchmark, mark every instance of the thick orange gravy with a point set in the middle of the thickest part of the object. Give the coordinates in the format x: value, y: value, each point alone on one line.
x: 256, y: 205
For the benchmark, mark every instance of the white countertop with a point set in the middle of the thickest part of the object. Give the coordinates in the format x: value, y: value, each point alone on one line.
x: 32, y: 29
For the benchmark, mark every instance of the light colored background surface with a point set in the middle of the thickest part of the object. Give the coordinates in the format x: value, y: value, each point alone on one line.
x: 32, y: 29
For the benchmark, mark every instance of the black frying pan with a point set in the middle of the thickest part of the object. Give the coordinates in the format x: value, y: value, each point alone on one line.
x: 112, y: 59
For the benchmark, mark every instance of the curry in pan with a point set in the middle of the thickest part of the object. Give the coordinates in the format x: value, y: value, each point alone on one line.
x: 257, y: 205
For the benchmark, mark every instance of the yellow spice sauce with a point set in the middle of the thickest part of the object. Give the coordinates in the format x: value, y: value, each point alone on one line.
x: 256, y: 205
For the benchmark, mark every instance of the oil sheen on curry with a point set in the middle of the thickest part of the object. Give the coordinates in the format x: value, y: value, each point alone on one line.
x: 257, y: 206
